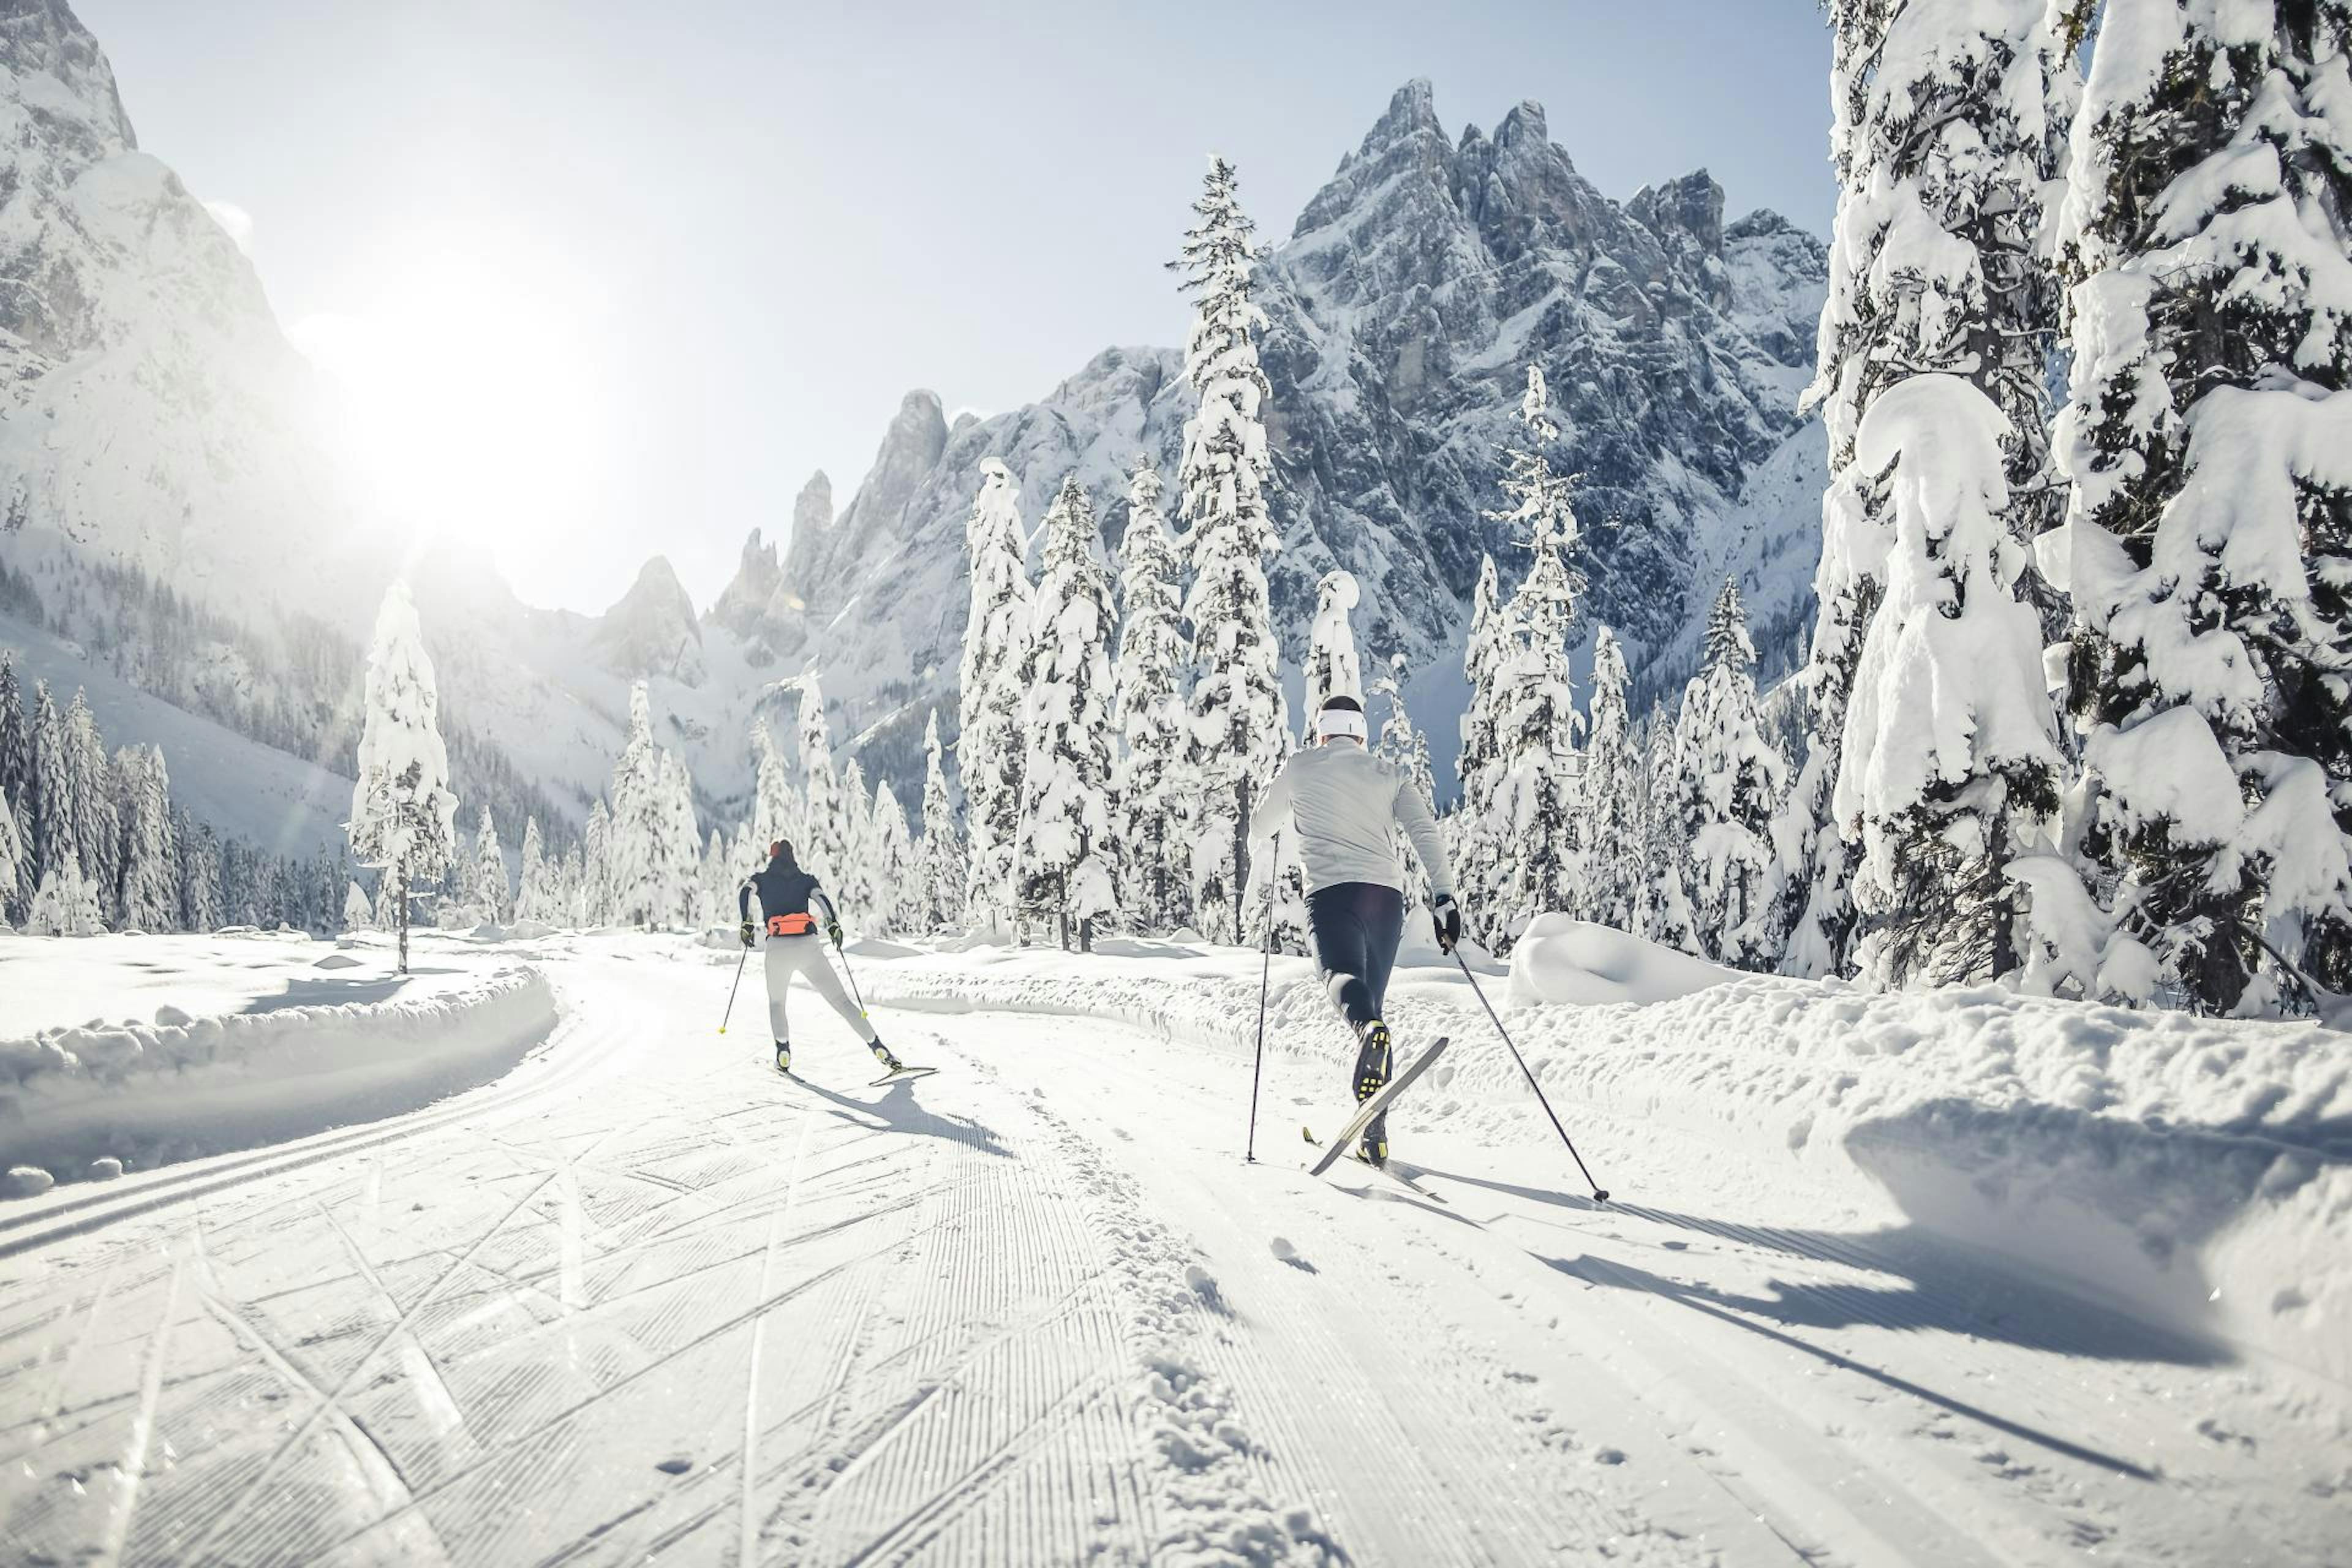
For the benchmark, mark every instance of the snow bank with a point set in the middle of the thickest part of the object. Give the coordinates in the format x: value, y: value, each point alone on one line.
x: 2194, y: 1172
x: 1562, y: 960
x: 71, y: 1097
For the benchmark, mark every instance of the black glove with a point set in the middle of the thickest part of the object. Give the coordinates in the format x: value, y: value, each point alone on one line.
x: 744, y: 930
x: 1446, y: 916
x: 833, y: 931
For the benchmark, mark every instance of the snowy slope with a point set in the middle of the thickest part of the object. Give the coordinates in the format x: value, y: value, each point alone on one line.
x: 245, y: 790
x: 1037, y: 1309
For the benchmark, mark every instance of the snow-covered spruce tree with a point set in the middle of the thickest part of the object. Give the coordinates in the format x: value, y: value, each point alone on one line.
x: 1150, y: 793
x: 714, y: 890
x: 97, y: 826
x: 1661, y: 910
x: 1608, y: 797
x: 1950, y: 762
x: 150, y: 899
x: 2208, y: 440
x: 775, y: 811
x: 358, y: 914
x: 1944, y: 151
x: 1477, y: 844
x: 823, y: 845
x: 575, y: 884
x: 1333, y: 668
x: 200, y: 875
x: 15, y: 739
x: 855, y: 885
x: 1406, y: 750
x: 940, y: 865
x: 1240, y: 729
x: 491, y: 894
x: 15, y: 861
x: 593, y: 892
x: 66, y: 903
x: 649, y: 846
x: 404, y: 817
x: 1536, y: 719
x: 533, y: 899
x: 1065, y: 852
x: 898, y: 890
x: 47, y: 809
x: 1728, y: 781
x: 991, y: 746
x: 456, y: 904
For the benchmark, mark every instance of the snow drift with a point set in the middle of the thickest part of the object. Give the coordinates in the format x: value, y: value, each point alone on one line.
x: 1563, y: 960
x: 71, y: 1098
x: 2196, y: 1173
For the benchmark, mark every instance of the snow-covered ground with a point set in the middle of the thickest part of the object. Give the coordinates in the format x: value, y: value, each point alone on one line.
x: 642, y: 1300
x: 126, y: 1052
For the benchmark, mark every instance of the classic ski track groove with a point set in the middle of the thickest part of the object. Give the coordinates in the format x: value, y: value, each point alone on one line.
x: 911, y: 1330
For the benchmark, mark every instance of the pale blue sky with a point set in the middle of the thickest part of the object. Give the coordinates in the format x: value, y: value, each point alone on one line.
x: 711, y: 242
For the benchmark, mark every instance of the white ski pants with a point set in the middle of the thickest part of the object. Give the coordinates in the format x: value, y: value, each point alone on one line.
x: 805, y: 955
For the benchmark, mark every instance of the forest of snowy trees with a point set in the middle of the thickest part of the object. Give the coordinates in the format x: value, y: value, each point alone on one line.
x: 2077, y: 708
x: 92, y: 841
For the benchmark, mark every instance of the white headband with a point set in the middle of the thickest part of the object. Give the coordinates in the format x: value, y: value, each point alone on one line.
x: 1340, y: 722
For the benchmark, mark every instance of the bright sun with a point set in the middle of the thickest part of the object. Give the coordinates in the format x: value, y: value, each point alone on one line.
x: 472, y: 400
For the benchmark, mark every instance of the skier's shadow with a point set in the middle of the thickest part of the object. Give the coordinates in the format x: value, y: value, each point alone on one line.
x: 1941, y: 1292
x: 898, y: 1110
x: 1603, y: 1271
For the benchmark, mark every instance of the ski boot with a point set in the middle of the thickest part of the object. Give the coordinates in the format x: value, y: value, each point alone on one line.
x: 784, y: 1058
x: 882, y: 1054
x: 1372, y: 1073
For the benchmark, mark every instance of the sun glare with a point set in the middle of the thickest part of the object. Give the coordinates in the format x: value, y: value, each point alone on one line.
x: 470, y: 399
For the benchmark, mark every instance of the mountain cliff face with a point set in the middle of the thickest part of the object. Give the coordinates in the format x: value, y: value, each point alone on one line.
x: 150, y: 408
x: 1402, y: 312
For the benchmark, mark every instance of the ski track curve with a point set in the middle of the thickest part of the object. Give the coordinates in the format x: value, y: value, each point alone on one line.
x: 646, y: 1300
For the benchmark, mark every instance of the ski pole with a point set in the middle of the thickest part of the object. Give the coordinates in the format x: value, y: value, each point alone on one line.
x: 1599, y: 1192
x: 843, y: 953
x: 731, y: 989
x: 1265, y: 973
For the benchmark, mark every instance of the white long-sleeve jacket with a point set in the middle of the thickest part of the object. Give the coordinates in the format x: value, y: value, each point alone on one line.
x: 1344, y: 801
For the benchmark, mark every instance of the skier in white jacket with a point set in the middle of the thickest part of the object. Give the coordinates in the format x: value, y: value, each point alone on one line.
x: 1345, y: 803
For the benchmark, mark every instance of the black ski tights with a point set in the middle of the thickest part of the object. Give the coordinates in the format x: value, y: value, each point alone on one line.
x: 1356, y: 926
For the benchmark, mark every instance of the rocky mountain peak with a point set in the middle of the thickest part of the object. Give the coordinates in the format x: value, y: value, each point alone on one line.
x: 747, y: 593
x: 652, y: 630
x: 1691, y: 206
x: 813, y: 508
x: 54, y: 74
x: 911, y: 449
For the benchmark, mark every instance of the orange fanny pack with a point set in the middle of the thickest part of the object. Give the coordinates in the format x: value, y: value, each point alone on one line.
x: 790, y: 925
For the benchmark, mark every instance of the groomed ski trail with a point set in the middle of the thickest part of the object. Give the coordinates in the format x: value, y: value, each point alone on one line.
x: 645, y: 1300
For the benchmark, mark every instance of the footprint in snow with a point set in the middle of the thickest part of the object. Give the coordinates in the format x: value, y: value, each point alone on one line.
x: 675, y: 1465
x: 1204, y: 1286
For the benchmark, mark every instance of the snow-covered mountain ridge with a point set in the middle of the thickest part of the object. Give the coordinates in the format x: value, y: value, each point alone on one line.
x: 1403, y: 310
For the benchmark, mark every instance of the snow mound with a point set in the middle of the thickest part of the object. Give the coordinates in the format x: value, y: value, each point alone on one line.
x: 80, y: 1100
x: 1562, y: 960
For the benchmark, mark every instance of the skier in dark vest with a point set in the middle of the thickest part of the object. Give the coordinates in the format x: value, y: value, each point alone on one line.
x: 1346, y: 804
x: 790, y: 901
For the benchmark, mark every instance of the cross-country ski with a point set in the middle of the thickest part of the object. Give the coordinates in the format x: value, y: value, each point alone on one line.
x: 1735, y: 698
